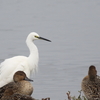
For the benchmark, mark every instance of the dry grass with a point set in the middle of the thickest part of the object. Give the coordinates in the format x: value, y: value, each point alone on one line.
x: 80, y: 97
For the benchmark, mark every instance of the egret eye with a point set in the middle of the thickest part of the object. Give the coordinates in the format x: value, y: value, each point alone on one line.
x: 36, y: 36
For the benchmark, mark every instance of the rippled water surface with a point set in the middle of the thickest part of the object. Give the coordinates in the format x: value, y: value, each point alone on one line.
x: 73, y: 26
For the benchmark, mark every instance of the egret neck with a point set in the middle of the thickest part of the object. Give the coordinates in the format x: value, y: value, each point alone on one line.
x: 34, y: 56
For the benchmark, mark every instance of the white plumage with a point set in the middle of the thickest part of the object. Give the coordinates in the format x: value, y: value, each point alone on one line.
x: 27, y: 64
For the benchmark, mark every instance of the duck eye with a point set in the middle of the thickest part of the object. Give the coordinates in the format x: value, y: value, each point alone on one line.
x: 21, y: 74
x: 36, y: 36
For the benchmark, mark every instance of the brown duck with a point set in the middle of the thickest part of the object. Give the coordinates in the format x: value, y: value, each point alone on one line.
x: 20, y: 86
x: 91, y: 84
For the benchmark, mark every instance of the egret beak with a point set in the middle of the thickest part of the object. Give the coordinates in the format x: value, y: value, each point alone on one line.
x: 27, y: 79
x: 44, y: 39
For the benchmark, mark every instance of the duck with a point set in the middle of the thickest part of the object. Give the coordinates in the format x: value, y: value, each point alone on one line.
x: 9, y: 95
x: 21, y: 85
x: 91, y: 84
x: 27, y: 64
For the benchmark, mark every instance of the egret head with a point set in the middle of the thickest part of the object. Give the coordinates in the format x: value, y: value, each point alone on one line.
x: 35, y: 36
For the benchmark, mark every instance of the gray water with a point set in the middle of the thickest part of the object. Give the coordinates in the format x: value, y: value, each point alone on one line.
x: 73, y: 26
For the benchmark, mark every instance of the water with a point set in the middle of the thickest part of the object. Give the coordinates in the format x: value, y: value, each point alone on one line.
x: 74, y: 28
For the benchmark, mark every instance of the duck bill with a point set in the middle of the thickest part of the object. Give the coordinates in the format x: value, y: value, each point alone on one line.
x: 27, y: 79
x: 44, y: 39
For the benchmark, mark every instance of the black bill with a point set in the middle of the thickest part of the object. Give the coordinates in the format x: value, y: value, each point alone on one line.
x: 27, y: 79
x: 44, y: 39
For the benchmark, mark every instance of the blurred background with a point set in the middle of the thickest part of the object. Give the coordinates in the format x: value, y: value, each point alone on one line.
x: 73, y: 26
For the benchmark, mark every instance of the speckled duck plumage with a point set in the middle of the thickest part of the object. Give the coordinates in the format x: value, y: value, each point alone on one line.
x: 91, y: 84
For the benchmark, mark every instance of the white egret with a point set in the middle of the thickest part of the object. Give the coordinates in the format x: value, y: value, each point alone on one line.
x: 21, y: 63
